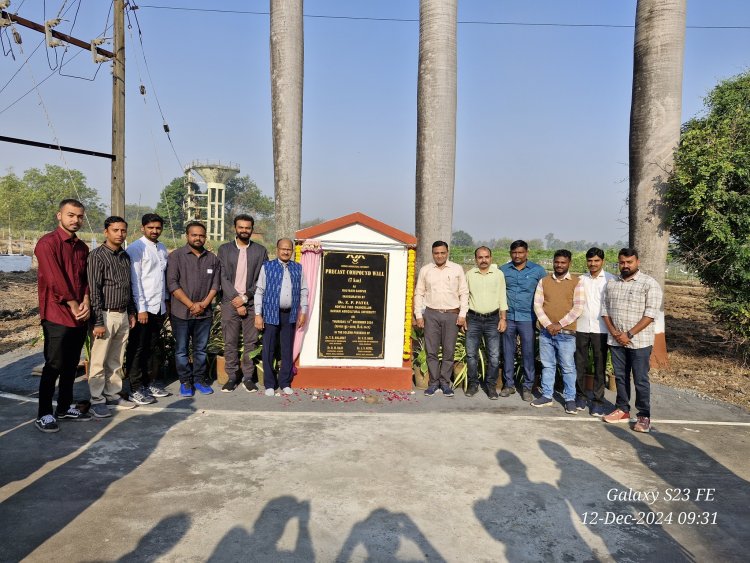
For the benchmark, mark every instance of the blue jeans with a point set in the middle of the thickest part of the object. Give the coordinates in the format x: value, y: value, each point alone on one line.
x: 553, y: 351
x: 525, y: 329
x: 625, y: 361
x: 477, y: 328
x: 184, y: 331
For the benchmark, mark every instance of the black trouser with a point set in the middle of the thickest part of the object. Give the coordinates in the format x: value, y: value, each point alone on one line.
x: 231, y: 326
x: 138, y: 352
x: 440, y: 329
x: 62, y: 352
x: 598, y: 343
x: 282, y: 333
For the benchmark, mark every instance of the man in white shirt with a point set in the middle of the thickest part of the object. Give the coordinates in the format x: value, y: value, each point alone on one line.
x: 591, y: 332
x: 148, y: 263
x: 441, y: 301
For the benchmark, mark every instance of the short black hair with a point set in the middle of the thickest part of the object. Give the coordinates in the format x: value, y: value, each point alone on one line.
x: 518, y: 243
x: 563, y: 253
x: 243, y: 217
x: 73, y: 202
x: 439, y: 243
x: 114, y: 219
x: 594, y: 251
x: 487, y: 248
x: 628, y: 252
x: 151, y: 218
x: 195, y: 224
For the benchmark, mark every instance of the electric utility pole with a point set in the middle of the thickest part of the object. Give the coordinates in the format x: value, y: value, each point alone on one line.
x: 118, y: 111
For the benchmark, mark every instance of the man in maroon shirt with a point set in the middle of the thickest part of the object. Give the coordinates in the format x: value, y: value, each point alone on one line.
x: 64, y: 308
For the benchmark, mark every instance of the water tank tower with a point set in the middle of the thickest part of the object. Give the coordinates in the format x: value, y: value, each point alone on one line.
x: 208, y: 207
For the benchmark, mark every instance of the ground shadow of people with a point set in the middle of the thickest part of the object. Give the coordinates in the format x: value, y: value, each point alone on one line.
x: 585, y: 487
x: 530, y: 519
x: 381, y: 534
x: 159, y: 540
x: 686, y: 467
x: 44, y: 507
x: 261, y: 543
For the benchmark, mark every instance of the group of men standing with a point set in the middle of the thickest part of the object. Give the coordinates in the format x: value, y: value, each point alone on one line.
x: 122, y: 297
x: 576, y: 317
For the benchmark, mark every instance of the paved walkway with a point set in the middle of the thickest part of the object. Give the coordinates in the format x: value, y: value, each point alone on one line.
x: 242, y: 477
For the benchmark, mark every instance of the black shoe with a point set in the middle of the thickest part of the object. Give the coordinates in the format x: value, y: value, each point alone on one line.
x: 47, y: 424
x: 492, y: 393
x: 229, y: 386
x: 472, y: 390
x: 527, y: 395
x: 73, y: 414
x: 250, y: 387
x: 507, y: 391
x: 447, y: 391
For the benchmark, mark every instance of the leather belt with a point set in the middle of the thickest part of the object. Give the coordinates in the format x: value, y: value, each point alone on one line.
x: 568, y: 332
x: 484, y: 315
x: 120, y: 310
x: 456, y: 311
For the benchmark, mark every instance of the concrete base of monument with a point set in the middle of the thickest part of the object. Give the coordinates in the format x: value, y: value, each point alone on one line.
x: 327, y: 377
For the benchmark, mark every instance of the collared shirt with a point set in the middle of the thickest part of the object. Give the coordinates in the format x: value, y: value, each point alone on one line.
x: 486, y: 291
x: 591, y: 320
x: 285, y: 297
x: 578, y: 302
x: 61, y: 275
x: 195, y: 275
x: 441, y: 288
x: 109, y: 282
x: 627, y: 301
x: 148, y: 264
x: 521, y: 285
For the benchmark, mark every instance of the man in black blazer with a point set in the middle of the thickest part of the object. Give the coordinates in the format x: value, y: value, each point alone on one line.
x: 241, y: 261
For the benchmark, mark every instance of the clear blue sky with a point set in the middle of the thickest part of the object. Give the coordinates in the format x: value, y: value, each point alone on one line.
x: 542, y: 130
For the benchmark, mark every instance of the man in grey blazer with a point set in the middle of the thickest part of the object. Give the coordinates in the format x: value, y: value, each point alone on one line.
x: 241, y: 261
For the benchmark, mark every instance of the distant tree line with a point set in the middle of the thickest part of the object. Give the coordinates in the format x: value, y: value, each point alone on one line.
x: 550, y: 242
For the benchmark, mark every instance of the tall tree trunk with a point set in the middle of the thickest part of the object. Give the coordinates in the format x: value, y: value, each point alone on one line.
x: 287, y: 73
x: 436, y: 124
x: 655, y: 118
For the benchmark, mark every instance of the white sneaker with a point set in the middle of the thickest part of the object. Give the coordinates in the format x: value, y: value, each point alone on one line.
x: 288, y: 391
x: 269, y: 392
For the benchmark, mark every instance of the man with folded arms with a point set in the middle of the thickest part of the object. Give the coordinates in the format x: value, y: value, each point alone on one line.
x: 441, y: 301
x: 148, y: 263
x: 631, y: 303
x: 558, y: 302
x: 485, y: 319
x: 64, y: 309
x: 113, y: 315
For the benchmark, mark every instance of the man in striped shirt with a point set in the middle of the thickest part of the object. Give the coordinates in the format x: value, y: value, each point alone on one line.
x: 558, y: 302
x: 113, y: 314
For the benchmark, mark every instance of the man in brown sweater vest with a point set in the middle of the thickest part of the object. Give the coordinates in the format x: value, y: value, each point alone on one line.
x: 558, y: 302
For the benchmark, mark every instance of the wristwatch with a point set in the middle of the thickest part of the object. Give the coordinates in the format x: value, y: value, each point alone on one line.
x: 244, y: 298
x: 630, y: 335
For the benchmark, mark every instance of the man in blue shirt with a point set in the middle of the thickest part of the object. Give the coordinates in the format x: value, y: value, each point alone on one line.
x: 521, y: 279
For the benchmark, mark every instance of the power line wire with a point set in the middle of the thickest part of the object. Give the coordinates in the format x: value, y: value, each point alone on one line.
x: 416, y: 20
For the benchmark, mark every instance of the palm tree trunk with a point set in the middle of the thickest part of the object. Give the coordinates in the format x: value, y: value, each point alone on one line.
x: 436, y: 124
x: 287, y: 73
x: 655, y: 119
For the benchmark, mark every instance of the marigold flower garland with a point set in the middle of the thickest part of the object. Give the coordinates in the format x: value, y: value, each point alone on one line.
x: 409, y: 302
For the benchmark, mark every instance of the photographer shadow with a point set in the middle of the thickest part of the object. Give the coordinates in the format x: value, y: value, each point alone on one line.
x: 261, y: 543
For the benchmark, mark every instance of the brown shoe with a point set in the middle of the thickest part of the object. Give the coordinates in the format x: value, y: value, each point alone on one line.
x: 507, y: 391
x: 617, y: 415
x: 527, y: 395
x: 643, y: 424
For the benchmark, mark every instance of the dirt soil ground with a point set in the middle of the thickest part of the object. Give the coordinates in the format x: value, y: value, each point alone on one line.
x: 700, y: 354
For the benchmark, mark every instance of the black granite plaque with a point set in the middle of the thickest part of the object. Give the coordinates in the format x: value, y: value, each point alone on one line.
x: 353, y: 304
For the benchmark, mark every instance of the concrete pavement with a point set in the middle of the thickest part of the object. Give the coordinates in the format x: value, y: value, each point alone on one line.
x: 241, y: 477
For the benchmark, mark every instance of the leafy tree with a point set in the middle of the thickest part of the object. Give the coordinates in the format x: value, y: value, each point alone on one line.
x: 170, y: 207
x: 709, y: 201
x: 31, y: 202
x: 244, y: 196
x: 133, y: 214
x: 461, y: 238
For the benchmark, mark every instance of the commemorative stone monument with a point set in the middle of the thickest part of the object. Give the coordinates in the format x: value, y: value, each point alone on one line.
x: 360, y: 274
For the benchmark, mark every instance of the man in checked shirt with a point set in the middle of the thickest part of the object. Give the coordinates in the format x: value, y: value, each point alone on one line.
x: 631, y: 303
x: 112, y: 313
x: 558, y: 302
